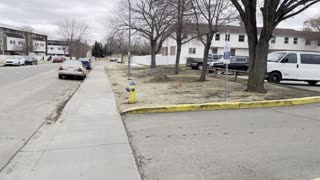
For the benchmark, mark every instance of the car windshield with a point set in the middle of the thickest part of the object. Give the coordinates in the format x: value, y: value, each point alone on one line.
x: 275, y: 56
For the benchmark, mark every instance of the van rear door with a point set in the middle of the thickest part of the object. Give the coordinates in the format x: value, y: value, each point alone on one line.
x: 309, y: 68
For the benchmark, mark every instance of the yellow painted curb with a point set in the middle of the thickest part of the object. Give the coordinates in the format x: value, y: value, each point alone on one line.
x: 223, y: 106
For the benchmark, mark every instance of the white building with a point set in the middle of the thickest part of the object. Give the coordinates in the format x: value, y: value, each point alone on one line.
x: 283, y: 39
x: 13, y: 41
x: 58, y: 48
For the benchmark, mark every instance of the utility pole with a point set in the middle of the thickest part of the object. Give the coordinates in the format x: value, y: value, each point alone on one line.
x: 129, y: 48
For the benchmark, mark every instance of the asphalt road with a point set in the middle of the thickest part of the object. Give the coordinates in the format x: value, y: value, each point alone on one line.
x: 268, y: 144
x: 29, y: 96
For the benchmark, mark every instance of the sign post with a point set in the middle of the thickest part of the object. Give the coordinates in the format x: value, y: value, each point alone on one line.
x: 226, y: 61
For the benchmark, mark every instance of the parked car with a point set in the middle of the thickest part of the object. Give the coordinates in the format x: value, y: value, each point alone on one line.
x: 113, y: 60
x: 197, y: 63
x: 58, y: 59
x: 293, y: 66
x: 14, y: 61
x: 240, y: 63
x: 30, y: 60
x: 86, y: 63
x: 72, y: 68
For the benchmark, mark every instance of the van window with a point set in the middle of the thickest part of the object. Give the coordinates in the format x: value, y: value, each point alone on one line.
x: 315, y: 59
x: 241, y: 59
x: 310, y: 59
x: 292, y: 58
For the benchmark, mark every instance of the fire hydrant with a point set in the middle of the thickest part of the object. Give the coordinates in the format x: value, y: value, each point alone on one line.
x: 132, y: 92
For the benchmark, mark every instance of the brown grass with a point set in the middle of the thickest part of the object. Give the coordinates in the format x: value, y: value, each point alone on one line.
x: 162, y: 87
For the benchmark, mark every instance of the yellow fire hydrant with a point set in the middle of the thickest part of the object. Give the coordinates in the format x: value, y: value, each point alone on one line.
x: 132, y: 92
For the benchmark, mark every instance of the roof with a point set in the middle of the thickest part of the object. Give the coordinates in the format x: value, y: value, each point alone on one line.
x: 14, y: 35
x: 38, y: 39
x: 18, y: 29
x: 203, y: 28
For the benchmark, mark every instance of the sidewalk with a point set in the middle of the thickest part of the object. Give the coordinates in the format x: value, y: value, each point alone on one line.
x: 88, y: 142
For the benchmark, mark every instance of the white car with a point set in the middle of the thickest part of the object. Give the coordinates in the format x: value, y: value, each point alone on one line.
x: 293, y: 66
x: 72, y: 68
x: 14, y: 61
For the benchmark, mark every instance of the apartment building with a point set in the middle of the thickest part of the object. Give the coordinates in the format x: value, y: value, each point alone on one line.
x: 16, y: 42
x: 58, y: 48
x: 283, y: 40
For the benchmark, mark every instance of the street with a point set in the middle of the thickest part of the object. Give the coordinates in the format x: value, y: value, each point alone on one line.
x: 274, y: 143
x: 29, y: 95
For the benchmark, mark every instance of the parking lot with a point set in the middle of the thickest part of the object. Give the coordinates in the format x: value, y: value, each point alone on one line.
x: 268, y: 144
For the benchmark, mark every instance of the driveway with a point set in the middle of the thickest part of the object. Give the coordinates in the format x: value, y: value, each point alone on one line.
x: 268, y: 144
x: 29, y: 96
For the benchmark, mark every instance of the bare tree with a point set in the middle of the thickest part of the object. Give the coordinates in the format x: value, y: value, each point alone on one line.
x: 312, y: 24
x: 182, y: 14
x: 273, y: 13
x: 210, y: 15
x: 73, y: 32
x: 151, y: 19
x: 120, y: 43
x: 28, y: 39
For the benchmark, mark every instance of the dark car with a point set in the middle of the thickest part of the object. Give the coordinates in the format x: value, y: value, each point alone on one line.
x: 240, y: 63
x: 30, y: 60
x: 197, y: 63
x: 86, y: 64
x: 58, y: 59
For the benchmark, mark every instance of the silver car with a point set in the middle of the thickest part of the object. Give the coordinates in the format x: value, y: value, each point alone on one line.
x: 72, y: 68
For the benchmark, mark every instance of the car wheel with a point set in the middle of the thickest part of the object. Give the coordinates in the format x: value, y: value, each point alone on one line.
x: 200, y: 67
x: 274, y: 77
x: 312, y: 83
x: 60, y: 76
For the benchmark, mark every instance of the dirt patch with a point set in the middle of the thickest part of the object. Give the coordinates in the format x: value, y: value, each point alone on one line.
x: 162, y: 87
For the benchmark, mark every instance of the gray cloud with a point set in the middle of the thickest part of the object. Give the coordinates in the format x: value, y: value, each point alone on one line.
x: 43, y: 14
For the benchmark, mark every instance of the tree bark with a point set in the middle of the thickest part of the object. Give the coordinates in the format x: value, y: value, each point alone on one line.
x: 205, y: 59
x: 179, y: 45
x: 258, y: 64
x: 153, y: 55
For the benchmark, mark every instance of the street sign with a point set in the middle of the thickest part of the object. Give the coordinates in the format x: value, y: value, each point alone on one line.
x: 227, y: 54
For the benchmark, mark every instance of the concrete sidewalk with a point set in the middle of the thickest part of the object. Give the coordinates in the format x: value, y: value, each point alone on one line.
x: 88, y: 142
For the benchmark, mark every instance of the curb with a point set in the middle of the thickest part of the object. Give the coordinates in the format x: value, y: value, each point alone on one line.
x: 223, y: 106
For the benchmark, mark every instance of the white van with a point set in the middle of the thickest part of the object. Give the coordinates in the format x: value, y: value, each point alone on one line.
x: 293, y: 66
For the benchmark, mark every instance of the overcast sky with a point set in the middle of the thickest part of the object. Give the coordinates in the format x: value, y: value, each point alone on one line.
x: 43, y: 14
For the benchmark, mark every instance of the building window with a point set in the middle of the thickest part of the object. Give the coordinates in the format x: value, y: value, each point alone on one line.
x: 173, y: 50
x: 318, y: 43
x: 164, y: 51
x: 192, y: 50
x: 214, y: 50
x: 217, y: 37
x: 227, y: 38
x: 308, y: 42
x: 241, y: 38
x: 52, y: 48
x: 286, y: 40
x: 295, y: 40
x: 59, y: 49
x: 233, y: 52
x: 273, y: 40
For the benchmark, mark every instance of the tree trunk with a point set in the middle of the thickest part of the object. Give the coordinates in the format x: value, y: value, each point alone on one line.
x: 257, y: 69
x: 205, y: 57
x: 179, y: 45
x: 153, y: 55
x: 122, y: 58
